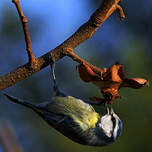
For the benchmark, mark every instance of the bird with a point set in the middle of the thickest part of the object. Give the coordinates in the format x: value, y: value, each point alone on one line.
x: 76, y: 119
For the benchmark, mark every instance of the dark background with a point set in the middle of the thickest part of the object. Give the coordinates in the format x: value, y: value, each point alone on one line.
x: 50, y: 23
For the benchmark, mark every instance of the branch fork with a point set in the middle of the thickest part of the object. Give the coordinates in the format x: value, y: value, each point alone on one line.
x: 65, y: 49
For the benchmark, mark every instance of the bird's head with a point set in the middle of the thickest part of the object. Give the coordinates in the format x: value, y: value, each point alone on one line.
x: 109, y: 127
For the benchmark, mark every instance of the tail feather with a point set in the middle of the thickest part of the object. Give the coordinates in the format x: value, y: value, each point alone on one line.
x: 23, y: 103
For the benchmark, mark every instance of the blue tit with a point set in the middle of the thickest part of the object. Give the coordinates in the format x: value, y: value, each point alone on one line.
x: 76, y: 119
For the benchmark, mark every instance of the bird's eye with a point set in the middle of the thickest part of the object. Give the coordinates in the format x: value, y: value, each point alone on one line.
x: 107, y: 96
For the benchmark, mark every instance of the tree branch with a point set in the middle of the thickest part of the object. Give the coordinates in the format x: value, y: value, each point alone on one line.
x: 66, y: 48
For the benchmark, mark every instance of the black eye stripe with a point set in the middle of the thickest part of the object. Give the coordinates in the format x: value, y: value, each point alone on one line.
x: 113, y: 119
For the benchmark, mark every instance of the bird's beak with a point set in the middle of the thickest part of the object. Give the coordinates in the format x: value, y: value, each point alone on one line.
x: 108, y: 111
x: 111, y: 111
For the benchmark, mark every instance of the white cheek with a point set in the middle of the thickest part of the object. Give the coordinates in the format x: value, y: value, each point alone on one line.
x: 106, y: 125
x: 115, y: 130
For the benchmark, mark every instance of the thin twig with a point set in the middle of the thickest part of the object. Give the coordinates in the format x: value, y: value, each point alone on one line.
x: 24, y: 21
x: 83, y: 33
x: 121, y: 12
x: 76, y: 58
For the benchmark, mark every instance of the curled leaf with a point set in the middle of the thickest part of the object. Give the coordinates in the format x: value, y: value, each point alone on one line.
x: 86, y: 73
x: 135, y: 83
x: 110, y: 81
